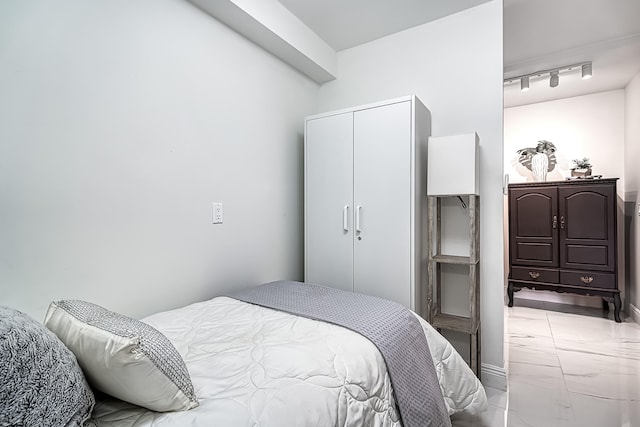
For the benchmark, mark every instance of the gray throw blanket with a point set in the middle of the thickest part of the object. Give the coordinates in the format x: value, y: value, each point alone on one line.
x: 390, y: 326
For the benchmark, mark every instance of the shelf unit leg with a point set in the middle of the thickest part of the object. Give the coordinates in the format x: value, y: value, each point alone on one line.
x: 475, y: 353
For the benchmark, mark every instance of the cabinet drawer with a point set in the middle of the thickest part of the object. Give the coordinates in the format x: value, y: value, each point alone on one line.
x: 589, y: 279
x: 534, y: 274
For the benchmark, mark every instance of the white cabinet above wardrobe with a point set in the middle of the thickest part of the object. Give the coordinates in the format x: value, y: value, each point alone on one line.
x: 365, y: 199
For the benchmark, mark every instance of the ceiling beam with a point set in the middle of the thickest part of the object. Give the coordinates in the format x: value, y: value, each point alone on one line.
x: 271, y: 26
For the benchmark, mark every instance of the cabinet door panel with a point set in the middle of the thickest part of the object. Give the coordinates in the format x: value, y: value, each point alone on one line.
x: 588, y: 230
x: 328, y: 189
x: 382, y: 188
x: 533, y: 223
x: 534, y: 251
x: 593, y: 255
x: 588, y: 213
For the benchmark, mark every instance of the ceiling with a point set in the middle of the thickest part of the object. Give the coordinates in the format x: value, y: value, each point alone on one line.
x: 346, y: 23
x: 538, y: 35
x: 543, y: 34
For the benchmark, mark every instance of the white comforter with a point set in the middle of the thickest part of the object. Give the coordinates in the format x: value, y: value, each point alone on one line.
x: 253, y: 366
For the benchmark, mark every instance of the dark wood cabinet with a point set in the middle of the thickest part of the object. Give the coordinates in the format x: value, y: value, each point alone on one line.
x: 562, y: 237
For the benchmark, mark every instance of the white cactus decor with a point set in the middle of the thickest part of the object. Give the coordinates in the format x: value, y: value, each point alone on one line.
x: 539, y: 159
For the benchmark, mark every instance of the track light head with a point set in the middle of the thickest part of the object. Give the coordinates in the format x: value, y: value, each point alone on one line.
x: 554, y: 80
x: 524, y: 84
x: 587, y: 72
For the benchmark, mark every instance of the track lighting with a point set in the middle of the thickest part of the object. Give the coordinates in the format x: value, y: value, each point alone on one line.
x: 586, y: 71
x: 553, y: 73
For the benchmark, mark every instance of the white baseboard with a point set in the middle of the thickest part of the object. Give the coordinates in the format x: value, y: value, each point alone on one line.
x: 495, y: 376
x: 634, y: 312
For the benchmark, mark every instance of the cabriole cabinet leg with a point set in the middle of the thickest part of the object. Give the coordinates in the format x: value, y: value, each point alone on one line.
x: 617, y: 305
x: 510, y: 293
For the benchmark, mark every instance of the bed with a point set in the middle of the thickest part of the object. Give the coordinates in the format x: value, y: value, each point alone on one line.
x: 280, y: 354
x: 251, y: 365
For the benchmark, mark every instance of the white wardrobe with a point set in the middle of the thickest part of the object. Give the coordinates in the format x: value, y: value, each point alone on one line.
x: 365, y: 199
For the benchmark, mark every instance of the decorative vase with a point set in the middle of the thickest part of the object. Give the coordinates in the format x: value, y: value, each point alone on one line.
x: 539, y: 166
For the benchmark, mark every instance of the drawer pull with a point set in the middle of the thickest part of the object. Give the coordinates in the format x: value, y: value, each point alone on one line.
x: 586, y: 279
x: 534, y: 274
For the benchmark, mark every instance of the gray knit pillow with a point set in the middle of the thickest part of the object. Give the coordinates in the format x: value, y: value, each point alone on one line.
x: 123, y: 357
x: 41, y: 383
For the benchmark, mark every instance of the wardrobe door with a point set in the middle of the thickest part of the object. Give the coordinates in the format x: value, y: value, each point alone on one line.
x: 533, y: 226
x: 329, y: 201
x: 382, y: 199
x: 587, y: 235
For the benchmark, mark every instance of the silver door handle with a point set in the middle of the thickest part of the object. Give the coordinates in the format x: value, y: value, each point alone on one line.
x: 358, y: 218
x: 345, y: 218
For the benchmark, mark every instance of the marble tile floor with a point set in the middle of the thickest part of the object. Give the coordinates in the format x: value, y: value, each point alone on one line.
x: 567, y: 366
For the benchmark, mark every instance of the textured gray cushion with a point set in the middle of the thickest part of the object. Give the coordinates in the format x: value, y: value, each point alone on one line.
x: 41, y: 383
x: 123, y: 357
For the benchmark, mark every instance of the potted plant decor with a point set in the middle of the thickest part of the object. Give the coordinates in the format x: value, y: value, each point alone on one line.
x: 582, y: 169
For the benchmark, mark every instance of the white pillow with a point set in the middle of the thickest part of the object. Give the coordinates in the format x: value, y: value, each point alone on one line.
x: 123, y: 357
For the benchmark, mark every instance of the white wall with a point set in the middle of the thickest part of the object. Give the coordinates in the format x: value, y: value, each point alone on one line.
x: 120, y: 123
x: 585, y: 126
x: 632, y: 192
x: 433, y: 61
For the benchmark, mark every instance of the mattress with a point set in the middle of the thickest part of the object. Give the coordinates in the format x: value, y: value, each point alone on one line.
x: 253, y: 366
